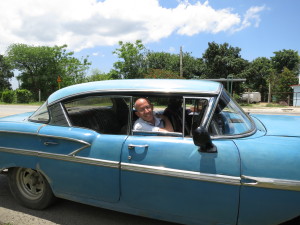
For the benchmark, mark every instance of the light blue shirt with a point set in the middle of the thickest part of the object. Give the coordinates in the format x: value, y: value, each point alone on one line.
x: 143, y: 125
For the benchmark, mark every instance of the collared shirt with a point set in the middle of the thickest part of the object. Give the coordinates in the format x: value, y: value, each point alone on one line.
x: 143, y: 125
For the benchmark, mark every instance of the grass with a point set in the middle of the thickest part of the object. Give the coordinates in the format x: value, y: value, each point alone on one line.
x: 261, y: 104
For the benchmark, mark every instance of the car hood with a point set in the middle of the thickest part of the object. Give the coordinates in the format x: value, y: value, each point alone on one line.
x: 280, y: 125
x: 16, y: 118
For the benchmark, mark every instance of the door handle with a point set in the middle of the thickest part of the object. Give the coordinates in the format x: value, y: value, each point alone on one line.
x: 132, y: 147
x: 50, y: 143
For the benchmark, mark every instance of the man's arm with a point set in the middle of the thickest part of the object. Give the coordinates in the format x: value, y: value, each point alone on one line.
x: 168, y: 125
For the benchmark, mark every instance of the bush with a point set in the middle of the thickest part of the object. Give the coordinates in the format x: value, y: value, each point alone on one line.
x: 23, y: 96
x: 8, y: 96
x: 236, y: 97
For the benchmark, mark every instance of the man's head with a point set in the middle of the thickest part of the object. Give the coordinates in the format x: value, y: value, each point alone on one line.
x: 144, y: 109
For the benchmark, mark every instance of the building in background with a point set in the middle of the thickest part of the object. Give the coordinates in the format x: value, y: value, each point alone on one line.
x: 296, y: 98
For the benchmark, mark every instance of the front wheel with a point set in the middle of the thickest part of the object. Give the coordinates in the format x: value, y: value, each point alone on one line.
x: 30, y: 188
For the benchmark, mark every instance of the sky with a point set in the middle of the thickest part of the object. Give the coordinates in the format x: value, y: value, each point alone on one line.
x: 94, y: 27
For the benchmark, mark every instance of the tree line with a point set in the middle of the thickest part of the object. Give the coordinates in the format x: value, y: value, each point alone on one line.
x: 40, y: 67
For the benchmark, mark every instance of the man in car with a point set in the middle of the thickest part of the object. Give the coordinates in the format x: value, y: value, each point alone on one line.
x: 147, y: 120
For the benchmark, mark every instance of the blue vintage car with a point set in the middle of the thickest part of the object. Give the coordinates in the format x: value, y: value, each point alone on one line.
x: 219, y: 166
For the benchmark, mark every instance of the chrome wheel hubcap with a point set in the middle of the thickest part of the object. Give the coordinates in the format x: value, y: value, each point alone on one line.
x: 30, y: 183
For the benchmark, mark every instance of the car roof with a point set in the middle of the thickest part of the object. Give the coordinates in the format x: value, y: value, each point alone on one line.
x: 138, y: 85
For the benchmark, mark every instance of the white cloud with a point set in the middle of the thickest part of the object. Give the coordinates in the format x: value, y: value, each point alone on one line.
x: 251, y: 17
x: 87, y: 23
x: 172, y: 49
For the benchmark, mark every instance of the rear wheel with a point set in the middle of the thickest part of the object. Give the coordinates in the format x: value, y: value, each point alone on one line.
x: 30, y: 188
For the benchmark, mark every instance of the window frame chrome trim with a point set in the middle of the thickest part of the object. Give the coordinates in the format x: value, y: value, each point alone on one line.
x: 65, y: 114
x: 126, y: 91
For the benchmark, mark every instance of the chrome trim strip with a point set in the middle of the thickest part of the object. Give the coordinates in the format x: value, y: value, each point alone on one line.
x: 213, y: 106
x: 38, y: 131
x: 156, y: 170
x: 52, y: 136
x: 78, y: 150
x: 19, y: 151
x: 65, y: 114
x: 208, y: 113
x: 273, y: 183
x: 126, y: 91
x: 259, y: 182
x: 65, y: 138
x: 235, y: 136
x: 83, y: 160
x: 17, y: 132
x: 77, y: 159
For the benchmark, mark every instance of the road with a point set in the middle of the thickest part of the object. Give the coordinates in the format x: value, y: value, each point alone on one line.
x: 71, y: 213
x: 7, y: 110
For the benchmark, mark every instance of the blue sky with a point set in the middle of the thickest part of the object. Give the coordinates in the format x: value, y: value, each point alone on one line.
x: 276, y: 27
x: 91, y: 27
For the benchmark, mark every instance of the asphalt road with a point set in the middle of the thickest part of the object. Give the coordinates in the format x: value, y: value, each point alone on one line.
x: 7, y: 110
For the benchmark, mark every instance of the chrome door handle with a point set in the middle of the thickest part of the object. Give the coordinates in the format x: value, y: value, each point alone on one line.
x: 50, y: 143
x: 131, y: 146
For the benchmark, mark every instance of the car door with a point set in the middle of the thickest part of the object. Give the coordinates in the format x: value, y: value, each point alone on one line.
x: 82, y: 161
x: 169, y: 175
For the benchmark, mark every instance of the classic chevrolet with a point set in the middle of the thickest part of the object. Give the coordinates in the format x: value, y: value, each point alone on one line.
x: 219, y: 166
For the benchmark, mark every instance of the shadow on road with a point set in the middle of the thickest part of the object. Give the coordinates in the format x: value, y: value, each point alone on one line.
x: 62, y: 212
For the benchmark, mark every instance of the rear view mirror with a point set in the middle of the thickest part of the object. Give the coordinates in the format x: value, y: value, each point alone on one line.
x: 202, y: 139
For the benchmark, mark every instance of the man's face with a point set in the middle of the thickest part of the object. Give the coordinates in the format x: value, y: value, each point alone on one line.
x: 144, y: 110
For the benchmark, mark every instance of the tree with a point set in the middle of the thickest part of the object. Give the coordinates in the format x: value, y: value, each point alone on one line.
x: 5, y: 74
x: 223, y: 60
x: 163, y: 61
x: 286, y: 58
x: 192, y: 67
x: 282, y: 84
x: 40, y: 67
x: 256, y: 75
x: 132, y: 64
x: 161, y: 74
x: 97, y: 75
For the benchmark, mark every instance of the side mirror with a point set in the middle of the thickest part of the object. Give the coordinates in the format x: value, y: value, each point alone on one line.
x: 202, y: 139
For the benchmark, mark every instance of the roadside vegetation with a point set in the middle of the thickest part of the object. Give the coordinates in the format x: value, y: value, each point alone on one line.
x: 41, y: 70
x: 262, y: 104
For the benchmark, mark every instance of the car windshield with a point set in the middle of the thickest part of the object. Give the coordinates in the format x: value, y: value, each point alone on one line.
x: 41, y: 115
x: 229, y: 118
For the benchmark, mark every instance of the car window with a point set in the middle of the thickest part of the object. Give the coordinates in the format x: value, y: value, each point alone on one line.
x: 195, y: 109
x: 41, y: 115
x: 229, y: 118
x: 104, y: 114
x: 183, y: 113
x: 163, y: 107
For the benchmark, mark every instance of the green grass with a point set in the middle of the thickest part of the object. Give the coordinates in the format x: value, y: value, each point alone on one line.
x: 274, y: 105
x: 261, y: 104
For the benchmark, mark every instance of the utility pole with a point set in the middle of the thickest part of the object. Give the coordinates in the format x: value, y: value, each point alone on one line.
x: 181, y: 72
x: 269, y: 94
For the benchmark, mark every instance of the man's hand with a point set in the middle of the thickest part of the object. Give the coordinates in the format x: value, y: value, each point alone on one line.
x: 168, y: 125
